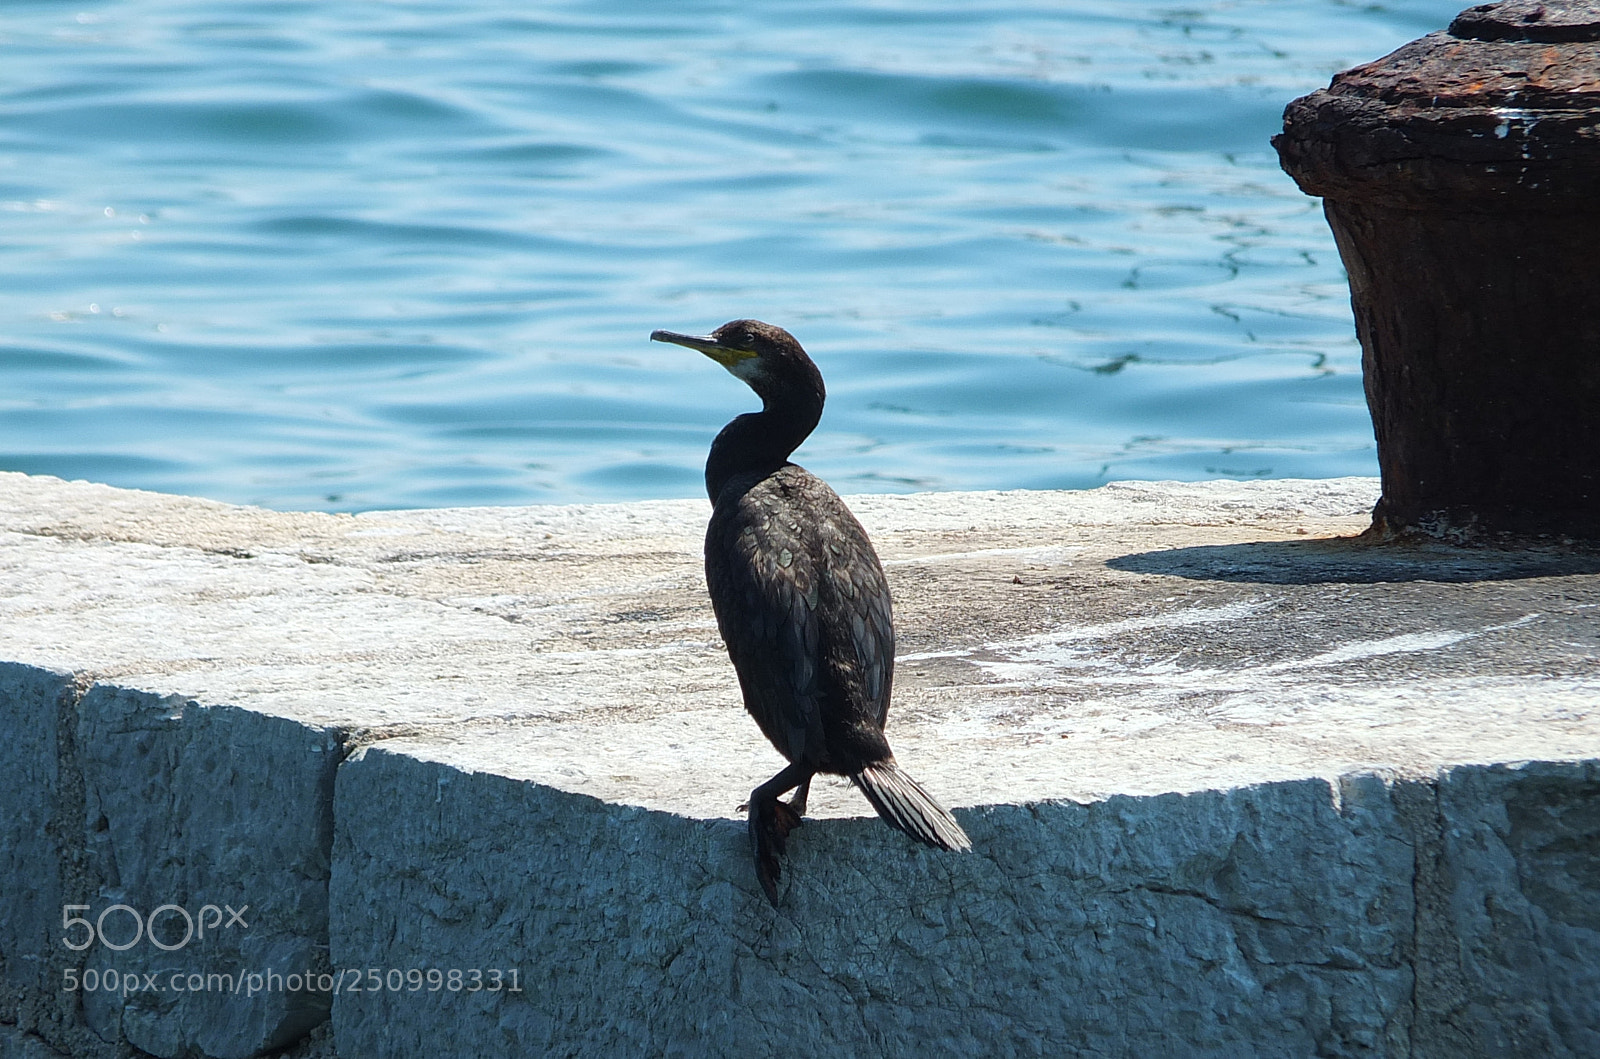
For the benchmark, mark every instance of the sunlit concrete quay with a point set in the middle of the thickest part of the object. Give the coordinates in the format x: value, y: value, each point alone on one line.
x: 1233, y: 777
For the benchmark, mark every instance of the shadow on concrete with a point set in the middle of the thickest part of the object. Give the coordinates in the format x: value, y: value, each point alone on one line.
x: 1351, y: 560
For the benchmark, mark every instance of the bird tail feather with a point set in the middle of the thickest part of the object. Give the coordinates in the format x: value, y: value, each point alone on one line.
x: 904, y: 804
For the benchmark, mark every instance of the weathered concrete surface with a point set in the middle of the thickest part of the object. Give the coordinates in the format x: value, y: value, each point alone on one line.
x: 161, y: 803
x: 1235, y: 786
x: 1507, y: 937
x: 14, y: 1044
x: 1258, y: 920
x: 221, y: 808
x: 39, y: 834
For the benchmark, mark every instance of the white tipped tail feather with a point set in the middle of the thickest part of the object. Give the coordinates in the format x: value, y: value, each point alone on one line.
x: 903, y: 804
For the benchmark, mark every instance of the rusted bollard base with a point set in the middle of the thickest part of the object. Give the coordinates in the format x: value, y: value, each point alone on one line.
x: 1461, y: 177
x: 1482, y: 366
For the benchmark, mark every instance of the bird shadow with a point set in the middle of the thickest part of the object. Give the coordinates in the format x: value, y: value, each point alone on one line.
x: 1357, y: 560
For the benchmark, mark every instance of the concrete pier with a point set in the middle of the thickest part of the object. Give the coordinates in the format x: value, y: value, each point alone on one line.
x: 1237, y: 784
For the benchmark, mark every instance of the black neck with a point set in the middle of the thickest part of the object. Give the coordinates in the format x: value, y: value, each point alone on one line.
x: 761, y: 441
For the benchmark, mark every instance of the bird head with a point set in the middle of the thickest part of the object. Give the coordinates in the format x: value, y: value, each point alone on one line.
x: 766, y: 357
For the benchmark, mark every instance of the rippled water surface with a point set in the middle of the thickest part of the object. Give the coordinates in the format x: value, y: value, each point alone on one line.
x: 357, y: 255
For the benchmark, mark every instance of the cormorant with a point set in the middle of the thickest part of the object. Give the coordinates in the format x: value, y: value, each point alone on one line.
x: 801, y: 601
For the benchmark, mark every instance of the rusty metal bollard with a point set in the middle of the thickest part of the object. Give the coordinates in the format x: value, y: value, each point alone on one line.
x: 1461, y: 178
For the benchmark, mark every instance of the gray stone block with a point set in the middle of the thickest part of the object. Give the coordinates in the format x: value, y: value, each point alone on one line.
x: 1509, y: 940
x: 204, y: 811
x: 35, y: 840
x: 17, y: 1044
x: 1263, y: 920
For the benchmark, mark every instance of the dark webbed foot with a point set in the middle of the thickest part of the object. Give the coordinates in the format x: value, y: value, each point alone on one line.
x: 772, y: 820
x: 770, y: 824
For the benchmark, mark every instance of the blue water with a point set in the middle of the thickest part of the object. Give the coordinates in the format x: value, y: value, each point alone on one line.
x: 362, y: 255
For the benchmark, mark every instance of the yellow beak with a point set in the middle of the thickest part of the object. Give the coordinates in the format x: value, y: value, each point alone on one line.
x: 725, y: 355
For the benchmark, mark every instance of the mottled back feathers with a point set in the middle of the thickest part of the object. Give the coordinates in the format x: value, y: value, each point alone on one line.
x: 803, y: 606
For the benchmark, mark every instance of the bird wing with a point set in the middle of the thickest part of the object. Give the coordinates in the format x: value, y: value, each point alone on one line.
x: 858, y: 652
x: 764, y: 587
x: 803, y: 606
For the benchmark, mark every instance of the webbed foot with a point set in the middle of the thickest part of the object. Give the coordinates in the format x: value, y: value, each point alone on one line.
x: 770, y: 824
x: 772, y: 820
